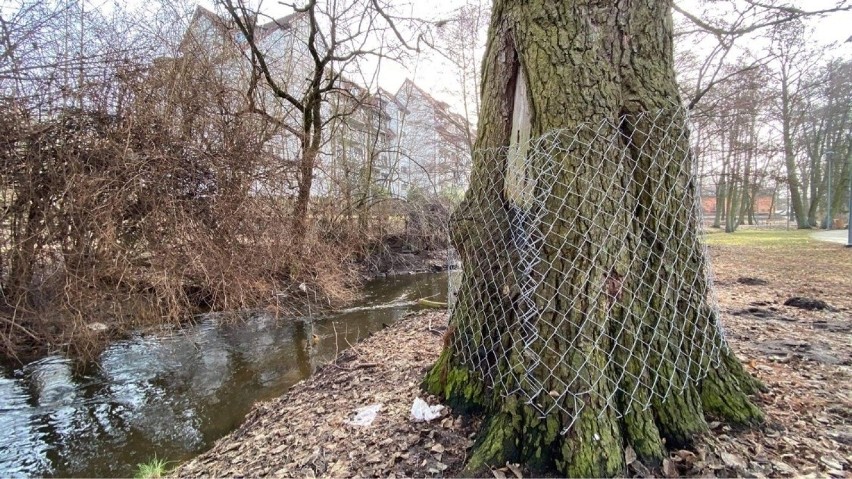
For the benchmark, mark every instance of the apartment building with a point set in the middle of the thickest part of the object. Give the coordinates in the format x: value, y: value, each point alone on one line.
x: 378, y: 143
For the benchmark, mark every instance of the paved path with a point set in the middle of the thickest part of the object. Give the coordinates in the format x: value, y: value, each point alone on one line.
x: 834, y: 236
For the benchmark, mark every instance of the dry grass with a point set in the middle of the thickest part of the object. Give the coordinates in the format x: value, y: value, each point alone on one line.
x: 802, y: 356
x: 792, y: 262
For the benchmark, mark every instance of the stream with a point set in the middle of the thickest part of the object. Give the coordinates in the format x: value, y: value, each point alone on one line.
x: 172, y: 395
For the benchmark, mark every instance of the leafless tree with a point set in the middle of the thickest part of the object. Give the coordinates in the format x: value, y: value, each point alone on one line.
x: 461, y: 40
x: 339, y: 35
x: 722, y: 27
x: 826, y: 138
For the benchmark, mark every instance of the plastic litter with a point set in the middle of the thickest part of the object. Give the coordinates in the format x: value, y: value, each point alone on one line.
x: 421, y: 411
x: 365, y: 416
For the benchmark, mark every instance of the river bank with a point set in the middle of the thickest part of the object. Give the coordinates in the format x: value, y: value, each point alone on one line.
x: 308, y: 431
x: 84, y: 339
x: 802, y: 355
x: 172, y: 393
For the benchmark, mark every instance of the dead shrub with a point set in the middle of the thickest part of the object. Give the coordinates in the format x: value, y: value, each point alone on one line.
x: 148, y: 213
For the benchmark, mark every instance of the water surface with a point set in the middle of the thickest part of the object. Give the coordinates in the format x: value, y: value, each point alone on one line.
x: 172, y: 395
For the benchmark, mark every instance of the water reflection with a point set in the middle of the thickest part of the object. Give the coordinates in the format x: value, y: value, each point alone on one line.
x: 173, y: 395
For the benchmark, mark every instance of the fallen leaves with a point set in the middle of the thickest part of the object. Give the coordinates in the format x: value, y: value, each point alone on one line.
x: 629, y: 455
x: 669, y: 468
x: 734, y: 461
x: 503, y: 472
x: 799, y: 350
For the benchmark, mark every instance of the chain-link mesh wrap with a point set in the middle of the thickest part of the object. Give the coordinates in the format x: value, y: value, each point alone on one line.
x: 584, y: 278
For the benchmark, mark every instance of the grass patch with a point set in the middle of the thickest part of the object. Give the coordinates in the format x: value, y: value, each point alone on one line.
x: 760, y: 238
x: 152, y: 469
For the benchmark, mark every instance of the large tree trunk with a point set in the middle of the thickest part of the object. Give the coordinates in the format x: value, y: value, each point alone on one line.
x: 310, y: 151
x: 572, y: 377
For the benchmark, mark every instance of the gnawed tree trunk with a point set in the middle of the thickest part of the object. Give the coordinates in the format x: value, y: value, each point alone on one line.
x: 562, y: 400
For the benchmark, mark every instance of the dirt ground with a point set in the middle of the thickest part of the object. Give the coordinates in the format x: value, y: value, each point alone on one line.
x: 801, y: 351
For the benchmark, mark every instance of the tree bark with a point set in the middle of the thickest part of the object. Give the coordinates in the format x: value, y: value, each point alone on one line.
x: 584, y: 62
x: 797, y: 201
x: 311, y: 142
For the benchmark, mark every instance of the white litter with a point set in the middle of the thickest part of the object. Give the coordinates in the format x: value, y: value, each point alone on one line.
x: 366, y: 415
x: 423, y: 412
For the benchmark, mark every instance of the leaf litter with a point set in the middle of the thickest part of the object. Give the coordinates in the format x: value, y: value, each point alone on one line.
x: 803, y: 356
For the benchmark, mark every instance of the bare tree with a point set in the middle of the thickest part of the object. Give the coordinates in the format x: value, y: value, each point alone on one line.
x: 461, y: 40
x: 337, y: 36
x: 826, y: 137
x: 722, y: 28
x: 792, y: 61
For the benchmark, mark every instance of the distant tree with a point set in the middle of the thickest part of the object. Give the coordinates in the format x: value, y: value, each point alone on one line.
x: 722, y: 29
x: 793, y: 61
x: 735, y: 112
x: 826, y: 135
x: 460, y: 40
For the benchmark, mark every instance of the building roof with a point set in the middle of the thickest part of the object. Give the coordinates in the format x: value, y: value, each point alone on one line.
x: 438, y: 105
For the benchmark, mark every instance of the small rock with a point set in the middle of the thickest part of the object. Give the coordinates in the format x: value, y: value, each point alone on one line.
x: 734, y: 461
x: 97, y: 327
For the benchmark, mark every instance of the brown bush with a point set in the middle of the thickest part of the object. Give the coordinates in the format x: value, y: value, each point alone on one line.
x: 147, y: 213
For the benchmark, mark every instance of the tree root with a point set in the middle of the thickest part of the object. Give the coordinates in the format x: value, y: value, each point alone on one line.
x: 723, y: 398
x: 594, y: 447
x: 460, y: 389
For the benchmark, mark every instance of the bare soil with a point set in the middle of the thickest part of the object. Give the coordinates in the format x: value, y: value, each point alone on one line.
x: 802, y: 355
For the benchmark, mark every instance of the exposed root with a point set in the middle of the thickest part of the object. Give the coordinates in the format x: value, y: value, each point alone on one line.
x: 680, y: 417
x: 496, y: 444
x: 594, y: 447
x: 458, y: 386
x: 722, y: 397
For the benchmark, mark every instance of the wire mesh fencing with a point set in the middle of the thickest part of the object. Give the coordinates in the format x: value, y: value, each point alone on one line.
x: 584, y: 279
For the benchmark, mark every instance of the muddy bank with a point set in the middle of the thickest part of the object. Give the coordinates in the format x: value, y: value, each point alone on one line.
x: 84, y: 338
x: 406, y: 261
